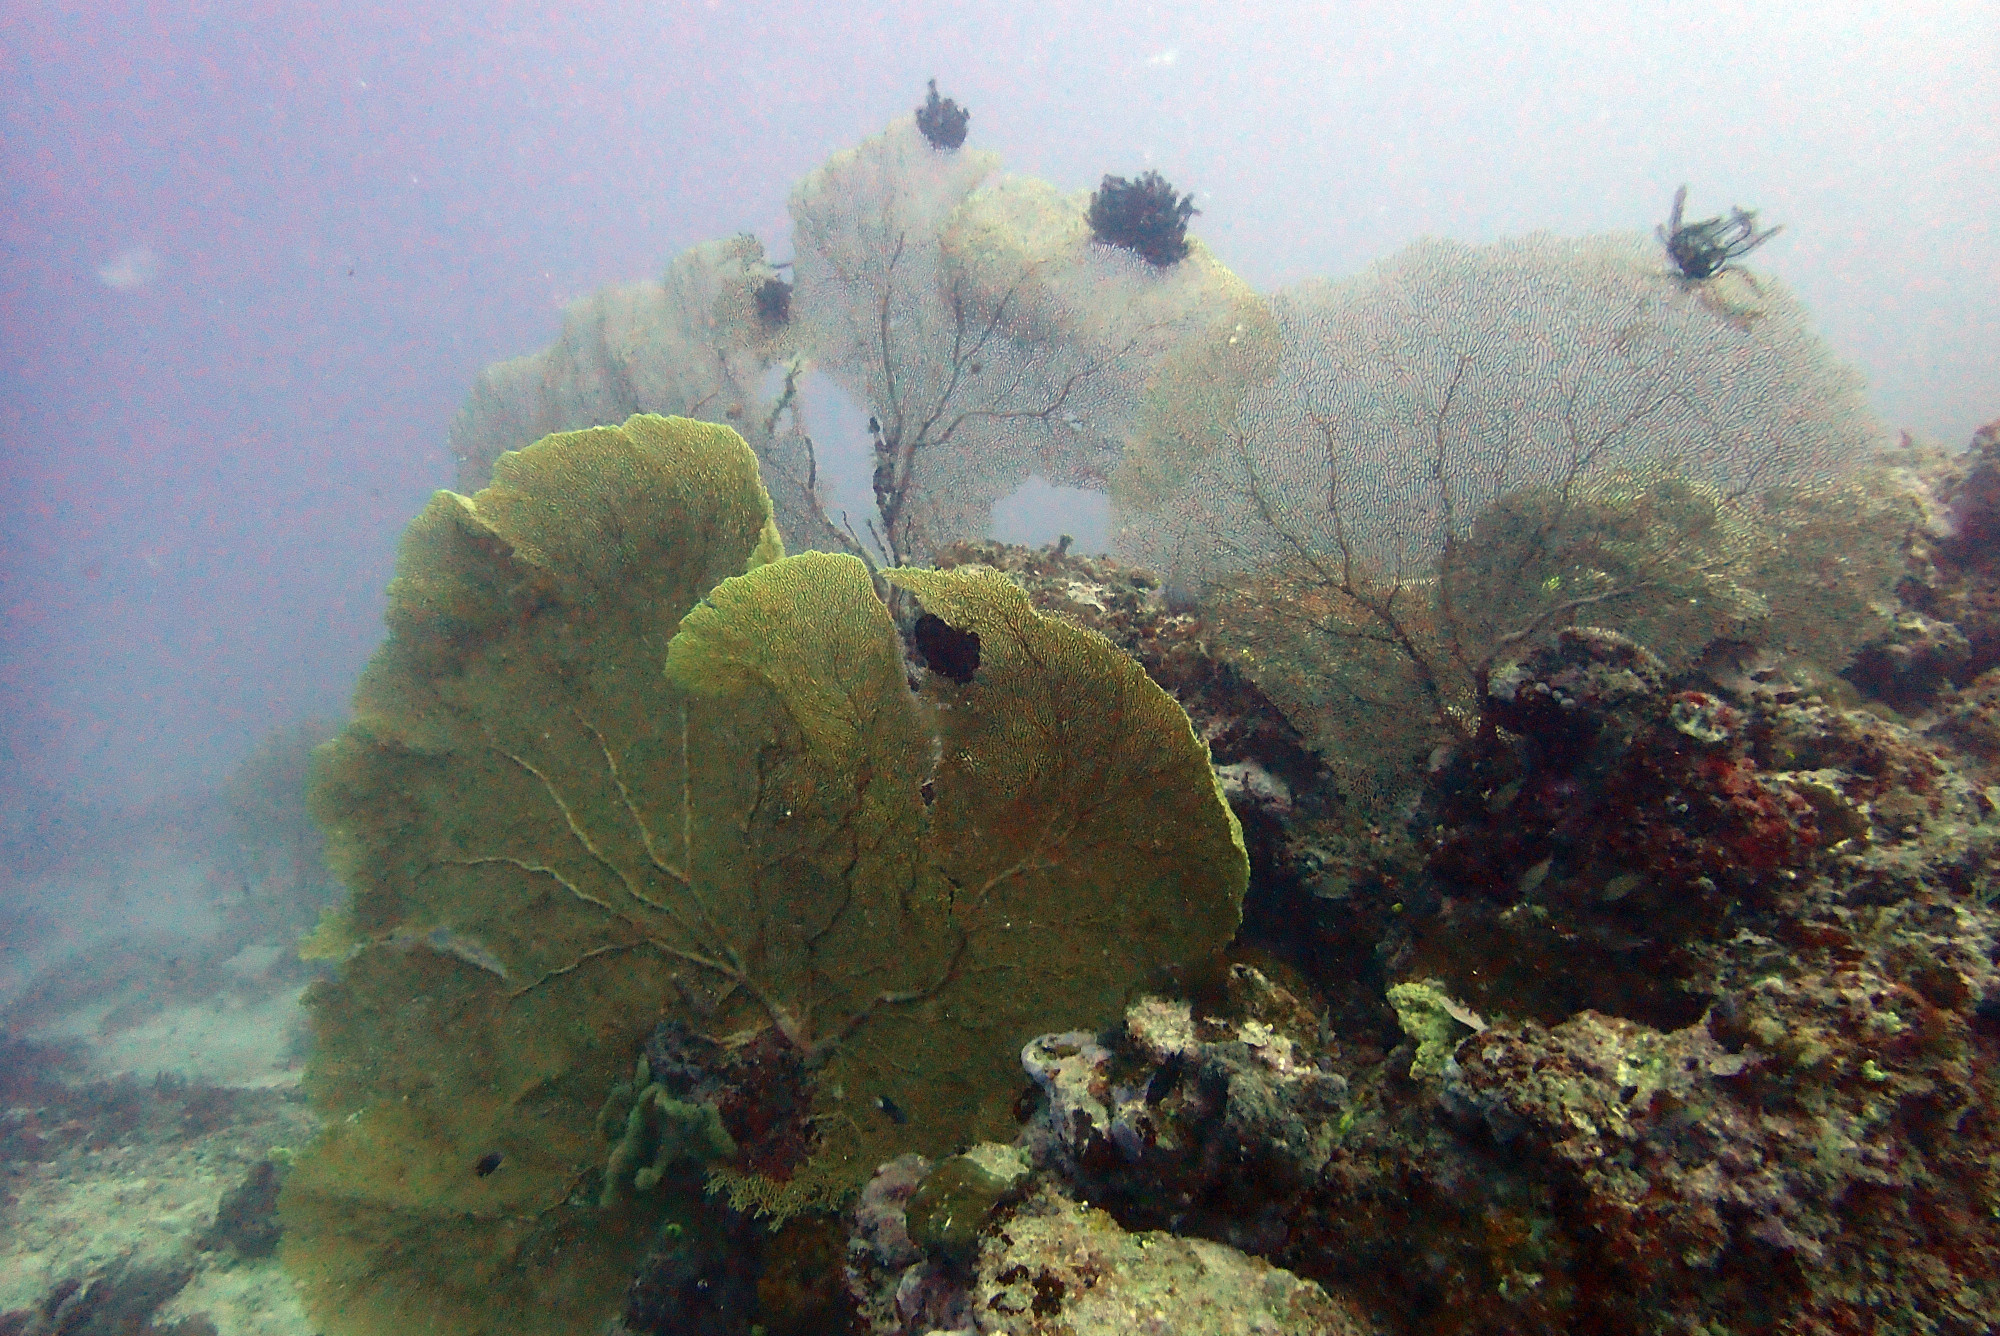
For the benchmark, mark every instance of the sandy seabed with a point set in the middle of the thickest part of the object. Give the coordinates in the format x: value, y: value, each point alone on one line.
x: 146, y: 1072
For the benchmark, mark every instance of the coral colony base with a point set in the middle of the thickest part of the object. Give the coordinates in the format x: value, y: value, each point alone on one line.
x: 1507, y: 846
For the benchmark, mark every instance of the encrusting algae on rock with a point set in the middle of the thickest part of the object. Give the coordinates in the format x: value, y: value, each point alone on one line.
x: 621, y: 761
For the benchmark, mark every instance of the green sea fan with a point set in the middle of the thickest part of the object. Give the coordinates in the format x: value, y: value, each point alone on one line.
x: 621, y: 761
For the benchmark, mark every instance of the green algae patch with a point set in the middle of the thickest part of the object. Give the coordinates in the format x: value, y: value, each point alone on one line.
x: 621, y: 761
x: 958, y: 1197
x: 1434, y: 1020
x: 651, y: 1132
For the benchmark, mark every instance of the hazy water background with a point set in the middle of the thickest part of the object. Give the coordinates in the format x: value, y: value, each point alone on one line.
x: 255, y: 252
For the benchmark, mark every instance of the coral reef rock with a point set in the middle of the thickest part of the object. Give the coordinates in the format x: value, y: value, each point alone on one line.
x: 122, y: 1299
x: 1947, y: 632
x: 1686, y: 1016
x: 1054, y: 1265
x: 1728, y: 945
x: 1206, y: 1092
x: 246, y: 1219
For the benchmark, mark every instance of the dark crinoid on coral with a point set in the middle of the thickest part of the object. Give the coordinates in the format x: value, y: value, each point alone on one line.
x: 774, y: 302
x: 1147, y: 216
x: 942, y: 121
x: 946, y: 649
x: 1706, y: 247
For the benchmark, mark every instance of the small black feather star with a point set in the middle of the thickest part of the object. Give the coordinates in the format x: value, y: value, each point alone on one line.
x: 946, y: 650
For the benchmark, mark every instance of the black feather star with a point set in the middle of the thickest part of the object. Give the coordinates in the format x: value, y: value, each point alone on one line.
x: 1702, y: 249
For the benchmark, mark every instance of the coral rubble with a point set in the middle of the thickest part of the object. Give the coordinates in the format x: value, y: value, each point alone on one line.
x: 124, y: 1298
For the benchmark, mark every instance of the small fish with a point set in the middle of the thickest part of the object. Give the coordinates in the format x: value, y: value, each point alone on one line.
x: 487, y: 1163
x: 889, y: 1107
